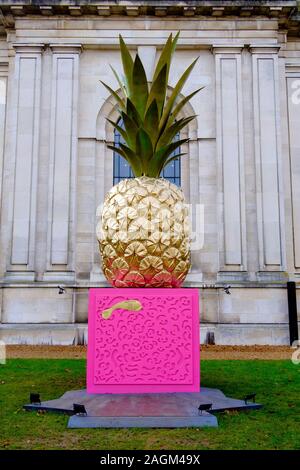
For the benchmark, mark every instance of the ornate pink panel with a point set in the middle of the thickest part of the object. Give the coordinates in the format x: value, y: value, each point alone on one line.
x: 143, y: 341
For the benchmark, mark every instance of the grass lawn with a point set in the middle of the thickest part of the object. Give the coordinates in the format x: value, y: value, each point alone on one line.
x: 276, y: 426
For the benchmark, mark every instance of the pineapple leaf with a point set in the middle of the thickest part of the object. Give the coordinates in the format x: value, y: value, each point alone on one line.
x: 129, y: 156
x: 173, y: 158
x: 127, y: 62
x: 158, y: 90
x: 131, y: 130
x: 133, y: 160
x: 139, y: 86
x: 121, y: 85
x: 115, y: 95
x: 151, y: 121
x: 149, y: 117
x: 170, y: 132
x: 144, y: 148
x: 166, y: 56
x: 132, y: 112
x: 182, y: 103
x: 174, y: 44
x: 165, y: 151
x: 118, y: 128
x: 119, y: 151
x: 174, y: 94
x: 161, y: 156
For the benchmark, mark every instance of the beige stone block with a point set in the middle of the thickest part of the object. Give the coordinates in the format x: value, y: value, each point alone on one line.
x: 64, y: 335
x: 36, y: 305
x: 208, y: 305
x: 82, y: 306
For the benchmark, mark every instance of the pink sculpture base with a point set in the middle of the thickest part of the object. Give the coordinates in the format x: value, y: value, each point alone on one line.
x: 152, y: 350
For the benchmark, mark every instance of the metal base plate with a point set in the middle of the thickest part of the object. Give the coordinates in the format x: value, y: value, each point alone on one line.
x: 151, y: 410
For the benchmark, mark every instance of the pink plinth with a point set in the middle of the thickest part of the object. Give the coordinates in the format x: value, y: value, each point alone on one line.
x: 152, y: 350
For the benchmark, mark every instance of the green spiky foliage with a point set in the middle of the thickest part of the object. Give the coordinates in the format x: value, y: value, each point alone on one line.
x: 149, y: 115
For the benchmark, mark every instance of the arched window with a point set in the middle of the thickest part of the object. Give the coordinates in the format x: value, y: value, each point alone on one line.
x: 122, y: 170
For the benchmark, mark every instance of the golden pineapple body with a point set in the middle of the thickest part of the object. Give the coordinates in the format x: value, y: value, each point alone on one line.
x: 144, y: 234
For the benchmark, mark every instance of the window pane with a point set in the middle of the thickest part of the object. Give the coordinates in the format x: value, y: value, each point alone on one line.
x: 169, y: 170
x: 125, y: 170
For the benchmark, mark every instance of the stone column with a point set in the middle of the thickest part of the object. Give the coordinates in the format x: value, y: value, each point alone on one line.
x: 268, y: 159
x: 24, y: 144
x: 3, y: 95
x: 293, y: 107
x: 3, y: 92
x: 230, y: 158
x: 63, y: 162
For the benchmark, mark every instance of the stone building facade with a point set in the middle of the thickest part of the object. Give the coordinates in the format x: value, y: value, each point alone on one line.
x: 243, y: 164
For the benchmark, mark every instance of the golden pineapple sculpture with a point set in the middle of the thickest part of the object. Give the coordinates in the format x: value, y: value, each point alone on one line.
x: 144, y: 235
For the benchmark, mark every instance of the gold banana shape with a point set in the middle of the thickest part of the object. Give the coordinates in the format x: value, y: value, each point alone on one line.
x: 134, y: 305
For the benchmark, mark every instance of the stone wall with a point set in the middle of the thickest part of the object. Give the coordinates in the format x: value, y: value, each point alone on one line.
x: 243, y: 164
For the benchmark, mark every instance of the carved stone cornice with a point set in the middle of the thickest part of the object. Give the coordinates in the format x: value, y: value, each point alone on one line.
x: 151, y: 7
x: 286, y: 12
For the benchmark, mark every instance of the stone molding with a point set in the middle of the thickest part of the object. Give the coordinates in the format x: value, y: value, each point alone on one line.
x: 230, y: 159
x: 268, y: 157
x: 292, y: 76
x: 25, y: 122
x: 28, y: 48
x: 292, y: 68
x: 264, y: 48
x: 65, y: 48
x: 63, y: 160
x: 227, y: 48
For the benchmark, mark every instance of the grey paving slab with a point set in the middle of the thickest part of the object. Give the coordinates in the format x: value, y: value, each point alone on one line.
x: 206, y: 420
